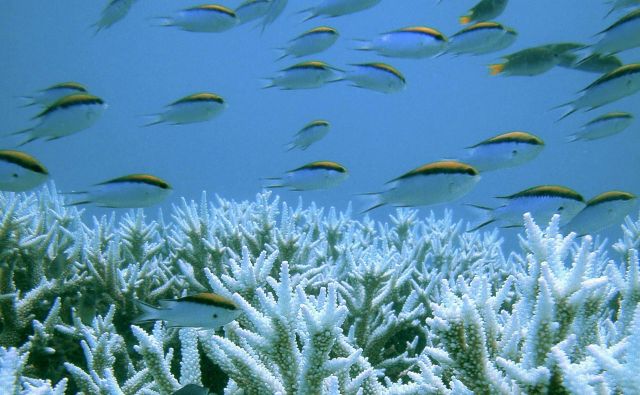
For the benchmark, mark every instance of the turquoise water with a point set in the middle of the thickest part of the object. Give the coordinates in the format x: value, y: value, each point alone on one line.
x: 449, y: 102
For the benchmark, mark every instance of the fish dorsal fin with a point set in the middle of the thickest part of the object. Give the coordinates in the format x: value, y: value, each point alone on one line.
x: 210, y: 299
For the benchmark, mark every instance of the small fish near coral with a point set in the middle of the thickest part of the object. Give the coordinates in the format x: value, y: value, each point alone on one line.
x: 203, y: 310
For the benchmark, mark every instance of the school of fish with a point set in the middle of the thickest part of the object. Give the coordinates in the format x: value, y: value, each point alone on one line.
x: 66, y: 108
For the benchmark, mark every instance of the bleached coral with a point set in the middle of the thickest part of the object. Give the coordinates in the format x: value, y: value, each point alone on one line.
x: 331, y: 304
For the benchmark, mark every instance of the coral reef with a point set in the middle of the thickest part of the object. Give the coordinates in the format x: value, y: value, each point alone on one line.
x: 331, y: 304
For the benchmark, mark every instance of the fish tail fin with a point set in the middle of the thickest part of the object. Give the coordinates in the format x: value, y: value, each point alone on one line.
x: 290, y: 146
x: 283, y: 54
x: 154, y: 119
x: 163, y: 21
x: 566, y: 114
x: 573, y: 138
x: 28, y: 101
x: 77, y: 203
x: 375, y: 200
x: 312, y: 11
x: 27, y: 141
x: 484, y: 216
x: 271, y: 181
x: 495, y: 69
x: 268, y: 83
x: 613, y: 8
x: 148, y: 313
x: 363, y: 44
x: 465, y: 19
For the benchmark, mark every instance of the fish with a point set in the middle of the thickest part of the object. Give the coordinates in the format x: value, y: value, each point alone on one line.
x: 314, y: 175
x: 304, y: 75
x: 594, y: 63
x: 20, y: 171
x: 376, y: 76
x: 192, y: 389
x: 198, y: 107
x: 622, y: 4
x: 130, y: 191
x: 203, y: 310
x: 621, y: 82
x: 68, y: 115
x: 113, y: 12
x: 334, y: 8
x: 408, y: 42
x: 252, y: 10
x: 484, y: 10
x: 276, y: 8
x: 527, y: 62
x: 503, y: 151
x: 206, y: 18
x: 309, y: 134
x: 607, y: 209
x: 481, y: 38
x: 622, y: 35
x: 603, y: 126
x: 432, y: 183
x: 48, y: 96
x: 311, y: 42
x: 541, y: 201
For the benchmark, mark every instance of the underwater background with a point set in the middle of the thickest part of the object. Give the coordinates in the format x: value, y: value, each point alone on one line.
x: 449, y: 102
x: 331, y: 302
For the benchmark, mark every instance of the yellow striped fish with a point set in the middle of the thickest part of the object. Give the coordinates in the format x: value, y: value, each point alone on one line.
x: 432, y: 183
x: 376, y: 76
x: 481, y: 38
x: 315, y: 175
x: 20, y: 171
x: 305, y: 75
x: 130, y: 191
x: 502, y: 151
x: 198, y: 107
x: 409, y: 42
x: 311, y: 42
x: 206, y: 18
x: 485, y: 10
x: 309, y: 134
x: 603, y: 126
x: 605, y: 210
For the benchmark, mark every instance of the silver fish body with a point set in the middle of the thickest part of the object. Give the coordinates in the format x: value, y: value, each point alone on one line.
x: 207, y: 18
x: 379, y: 77
x: 311, y: 42
x: 433, y: 183
x: 617, y: 84
x: 252, y: 10
x: 594, y: 63
x: 131, y: 191
x: 481, y: 38
x: 52, y: 94
x: 199, y: 107
x: 333, y: 8
x: 314, y: 175
x: 312, y: 132
x: 503, y: 151
x: 624, y: 34
x: 542, y: 202
x: 203, y: 310
x: 68, y: 115
x: 409, y: 42
x: 604, y: 126
x: 605, y: 210
x: 305, y: 75
x: 20, y: 171
x: 113, y: 12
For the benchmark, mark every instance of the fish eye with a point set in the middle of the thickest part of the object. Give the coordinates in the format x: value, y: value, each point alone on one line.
x: 514, y: 152
x: 15, y: 175
x: 215, y: 316
x: 560, y: 208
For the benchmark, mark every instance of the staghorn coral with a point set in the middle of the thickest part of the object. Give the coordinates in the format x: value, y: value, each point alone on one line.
x: 332, y: 305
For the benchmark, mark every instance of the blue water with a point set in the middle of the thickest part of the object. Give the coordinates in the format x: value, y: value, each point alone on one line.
x: 449, y: 103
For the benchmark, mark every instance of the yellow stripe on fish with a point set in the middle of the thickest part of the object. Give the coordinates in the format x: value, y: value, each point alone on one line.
x: 610, y: 196
x: 325, y: 164
x: 23, y: 160
x: 70, y: 101
x: 210, y: 299
x: 610, y: 116
x: 424, y: 30
x: 384, y: 67
x: 320, y: 29
x: 199, y: 97
x: 68, y: 85
x: 313, y: 64
x: 214, y: 8
x: 547, y: 191
x: 312, y: 124
x: 442, y: 167
x: 623, y: 71
x: 139, y: 178
x: 512, y: 137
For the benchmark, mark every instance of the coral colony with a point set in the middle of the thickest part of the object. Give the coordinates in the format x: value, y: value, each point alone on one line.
x: 329, y: 304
